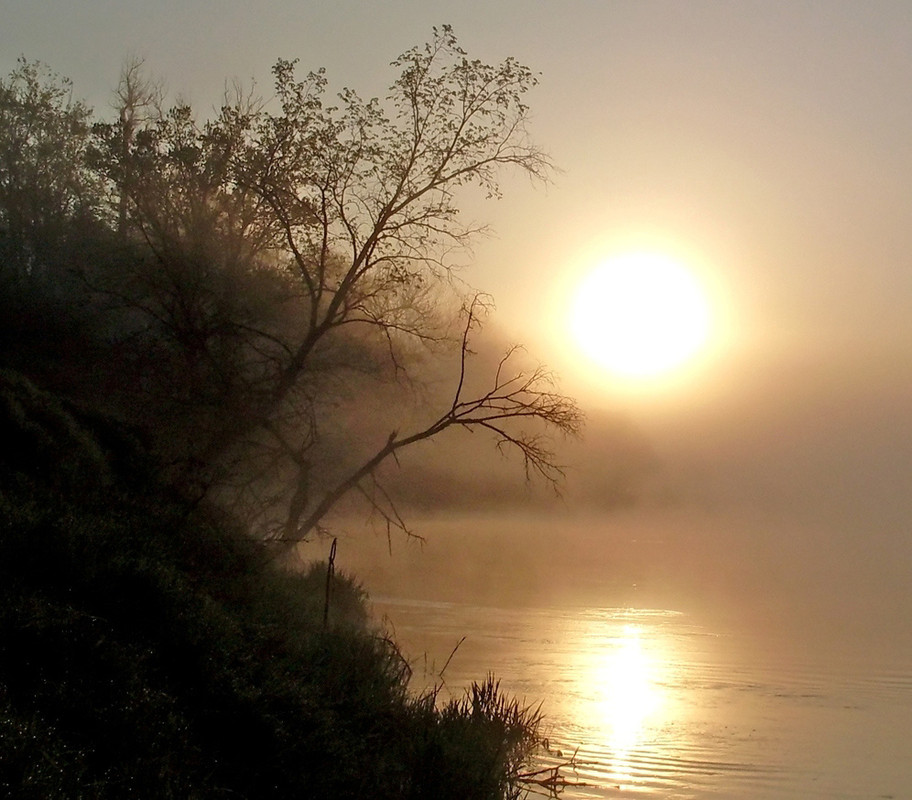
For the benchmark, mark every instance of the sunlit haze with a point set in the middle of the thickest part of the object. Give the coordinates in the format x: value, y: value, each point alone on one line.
x: 718, y: 270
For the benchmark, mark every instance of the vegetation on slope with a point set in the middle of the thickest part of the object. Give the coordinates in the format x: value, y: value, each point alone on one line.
x: 148, y: 648
x: 194, y: 316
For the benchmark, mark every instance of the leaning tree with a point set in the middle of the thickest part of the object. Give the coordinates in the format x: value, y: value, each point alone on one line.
x: 291, y: 249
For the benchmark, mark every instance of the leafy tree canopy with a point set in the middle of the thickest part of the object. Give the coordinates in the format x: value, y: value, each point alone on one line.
x: 265, y: 268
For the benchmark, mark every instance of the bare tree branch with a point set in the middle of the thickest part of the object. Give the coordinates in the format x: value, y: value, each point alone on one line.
x: 512, y: 396
x: 294, y: 243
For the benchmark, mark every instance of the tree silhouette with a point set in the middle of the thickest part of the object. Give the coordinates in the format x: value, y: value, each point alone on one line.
x: 47, y: 190
x: 293, y: 246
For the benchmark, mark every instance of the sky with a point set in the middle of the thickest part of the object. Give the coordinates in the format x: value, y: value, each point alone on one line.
x: 766, y: 144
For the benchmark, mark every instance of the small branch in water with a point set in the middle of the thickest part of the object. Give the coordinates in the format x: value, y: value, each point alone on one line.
x: 550, y: 778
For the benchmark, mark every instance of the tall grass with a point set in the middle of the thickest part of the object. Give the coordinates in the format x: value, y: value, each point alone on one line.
x: 149, y: 649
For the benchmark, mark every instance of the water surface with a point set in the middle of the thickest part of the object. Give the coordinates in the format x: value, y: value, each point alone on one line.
x: 654, y: 703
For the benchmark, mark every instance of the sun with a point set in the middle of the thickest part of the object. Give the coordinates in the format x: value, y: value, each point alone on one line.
x: 640, y: 315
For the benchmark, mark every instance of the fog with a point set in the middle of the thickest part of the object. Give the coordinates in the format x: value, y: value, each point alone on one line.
x: 769, y: 145
x: 780, y: 501
x: 727, y: 550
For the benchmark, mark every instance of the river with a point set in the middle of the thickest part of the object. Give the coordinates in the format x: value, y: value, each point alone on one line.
x: 656, y: 703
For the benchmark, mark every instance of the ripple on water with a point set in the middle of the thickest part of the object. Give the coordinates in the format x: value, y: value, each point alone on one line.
x: 655, y: 704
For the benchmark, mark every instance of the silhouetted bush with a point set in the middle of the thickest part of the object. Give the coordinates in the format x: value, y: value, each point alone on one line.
x: 149, y: 648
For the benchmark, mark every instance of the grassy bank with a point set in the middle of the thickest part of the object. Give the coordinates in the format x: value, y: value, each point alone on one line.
x: 149, y: 648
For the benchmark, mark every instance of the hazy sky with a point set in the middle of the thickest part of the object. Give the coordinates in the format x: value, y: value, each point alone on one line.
x: 768, y: 143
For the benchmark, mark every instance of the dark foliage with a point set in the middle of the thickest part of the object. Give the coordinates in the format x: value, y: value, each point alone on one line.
x: 241, y: 287
x: 147, y: 648
x: 189, y: 319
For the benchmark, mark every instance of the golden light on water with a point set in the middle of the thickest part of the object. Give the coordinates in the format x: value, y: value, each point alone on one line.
x: 628, y: 692
x: 626, y: 703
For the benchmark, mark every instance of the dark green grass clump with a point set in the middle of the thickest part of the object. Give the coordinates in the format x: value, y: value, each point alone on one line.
x: 149, y: 649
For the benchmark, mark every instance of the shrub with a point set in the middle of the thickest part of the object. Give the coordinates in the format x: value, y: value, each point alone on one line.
x: 148, y: 647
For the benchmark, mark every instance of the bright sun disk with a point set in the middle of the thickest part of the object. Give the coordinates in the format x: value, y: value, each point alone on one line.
x: 640, y: 315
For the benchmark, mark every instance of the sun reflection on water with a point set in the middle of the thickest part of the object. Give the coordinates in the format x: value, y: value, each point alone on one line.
x: 628, y: 693
x: 626, y: 696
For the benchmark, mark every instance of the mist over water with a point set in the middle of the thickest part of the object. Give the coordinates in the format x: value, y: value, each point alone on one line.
x: 749, y: 574
x: 685, y: 654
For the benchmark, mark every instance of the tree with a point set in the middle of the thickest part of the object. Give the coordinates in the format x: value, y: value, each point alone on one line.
x: 342, y: 222
x: 53, y: 226
x: 47, y: 191
x: 138, y: 100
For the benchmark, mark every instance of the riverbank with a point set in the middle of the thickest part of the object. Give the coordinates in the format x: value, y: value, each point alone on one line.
x: 149, y: 647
